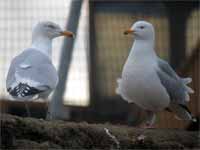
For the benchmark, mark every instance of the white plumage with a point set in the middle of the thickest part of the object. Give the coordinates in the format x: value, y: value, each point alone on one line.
x: 149, y: 81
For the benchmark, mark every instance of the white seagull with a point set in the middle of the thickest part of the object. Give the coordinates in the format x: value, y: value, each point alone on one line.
x: 31, y: 74
x: 149, y: 81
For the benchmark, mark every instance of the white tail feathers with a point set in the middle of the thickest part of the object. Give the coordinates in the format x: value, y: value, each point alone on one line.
x: 189, y: 90
x: 194, y: 119
x: 187, y: 80
x: 118, y: 80
x: 118, y: 89
x: 187, y: 97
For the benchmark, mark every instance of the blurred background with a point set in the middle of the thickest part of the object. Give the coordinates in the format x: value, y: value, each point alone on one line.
x: 90, y: 65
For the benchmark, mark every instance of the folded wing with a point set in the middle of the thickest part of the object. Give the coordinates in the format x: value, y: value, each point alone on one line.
x: 177, y: 89
x: 30, y: 74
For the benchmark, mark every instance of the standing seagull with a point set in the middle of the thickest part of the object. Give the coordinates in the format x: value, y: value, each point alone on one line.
x: 31, y: 74
x: 149, y: 81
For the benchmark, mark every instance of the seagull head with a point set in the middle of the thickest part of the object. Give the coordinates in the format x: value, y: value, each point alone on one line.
x: 142, y: 30
x: 50, y: 30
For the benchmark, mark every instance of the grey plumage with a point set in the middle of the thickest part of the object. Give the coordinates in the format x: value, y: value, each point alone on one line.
x: 35, y: 69
x: 31, y: 74
x: 176, y: 87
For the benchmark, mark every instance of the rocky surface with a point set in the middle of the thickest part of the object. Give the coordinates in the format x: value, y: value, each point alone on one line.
x: 30, y: 133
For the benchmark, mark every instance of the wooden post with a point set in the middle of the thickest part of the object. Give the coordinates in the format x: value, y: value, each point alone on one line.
x: 178, y: 15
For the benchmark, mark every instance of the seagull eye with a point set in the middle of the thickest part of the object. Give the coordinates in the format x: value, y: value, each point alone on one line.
x: 141, y: 27
x: 51, y: 26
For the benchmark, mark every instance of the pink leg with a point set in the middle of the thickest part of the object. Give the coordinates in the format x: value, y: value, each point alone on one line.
x: 149, y: 122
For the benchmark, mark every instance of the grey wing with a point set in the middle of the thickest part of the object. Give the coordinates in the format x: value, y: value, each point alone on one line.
x: 35, y: 69
x: 175, y: 86
x: 13, y: 66
x: 48, y: 76
x: 10, y: 76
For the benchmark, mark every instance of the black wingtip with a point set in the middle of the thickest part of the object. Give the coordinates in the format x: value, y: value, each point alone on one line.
x: 186, y: 108
x: 8, y: 89
x: 194, y: 119
x: 23, y: 90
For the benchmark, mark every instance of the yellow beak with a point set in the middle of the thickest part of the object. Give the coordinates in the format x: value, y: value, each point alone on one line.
x: 128, y: 31
x: 67, y: 33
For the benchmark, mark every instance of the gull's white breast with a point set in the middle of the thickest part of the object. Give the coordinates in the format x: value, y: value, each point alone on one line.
x: 140, y: 84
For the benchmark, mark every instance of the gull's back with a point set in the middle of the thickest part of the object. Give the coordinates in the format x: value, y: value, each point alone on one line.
x: 31, y: 73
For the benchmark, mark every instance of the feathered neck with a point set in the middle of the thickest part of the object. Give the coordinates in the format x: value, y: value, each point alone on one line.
x: 42, y: 44
x: 142, y: 50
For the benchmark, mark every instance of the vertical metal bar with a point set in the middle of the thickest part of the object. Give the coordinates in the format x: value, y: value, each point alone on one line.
x: 56, y: 109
